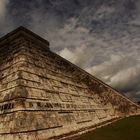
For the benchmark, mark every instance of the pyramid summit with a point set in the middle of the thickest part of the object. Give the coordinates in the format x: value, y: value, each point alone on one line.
x: 43, y: 96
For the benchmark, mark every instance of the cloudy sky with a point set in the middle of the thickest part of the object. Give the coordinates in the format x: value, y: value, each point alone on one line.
x: 100, y: 36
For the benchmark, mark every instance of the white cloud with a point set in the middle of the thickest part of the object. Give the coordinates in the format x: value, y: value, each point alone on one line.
x: 74, y: 43
x: 66, y: 53
x: 79, y: 55
x: 121, y: 72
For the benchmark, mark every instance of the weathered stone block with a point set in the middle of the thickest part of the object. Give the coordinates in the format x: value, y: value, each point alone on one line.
x: 44, y: 96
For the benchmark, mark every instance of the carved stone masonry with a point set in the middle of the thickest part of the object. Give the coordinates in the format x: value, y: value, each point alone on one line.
x: 43, y: 96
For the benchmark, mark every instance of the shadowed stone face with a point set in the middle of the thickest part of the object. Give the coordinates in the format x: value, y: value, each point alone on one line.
x: 45, y: 96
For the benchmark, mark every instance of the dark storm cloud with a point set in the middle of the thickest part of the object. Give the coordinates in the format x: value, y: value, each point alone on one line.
x: 101, y: 36
x: 5, y: 22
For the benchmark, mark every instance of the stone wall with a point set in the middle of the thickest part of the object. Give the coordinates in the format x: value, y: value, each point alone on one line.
x: 44, y: 96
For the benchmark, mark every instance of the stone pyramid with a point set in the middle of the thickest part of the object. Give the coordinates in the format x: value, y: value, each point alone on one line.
x: 43, y: 96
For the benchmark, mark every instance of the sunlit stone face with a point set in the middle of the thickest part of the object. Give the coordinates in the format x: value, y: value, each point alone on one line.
x: 45, y: 96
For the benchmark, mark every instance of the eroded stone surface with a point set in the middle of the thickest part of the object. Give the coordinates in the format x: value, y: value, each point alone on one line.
x: 44, y: 96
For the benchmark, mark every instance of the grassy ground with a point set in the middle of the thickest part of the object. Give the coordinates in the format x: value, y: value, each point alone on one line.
x: 125, y: 129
